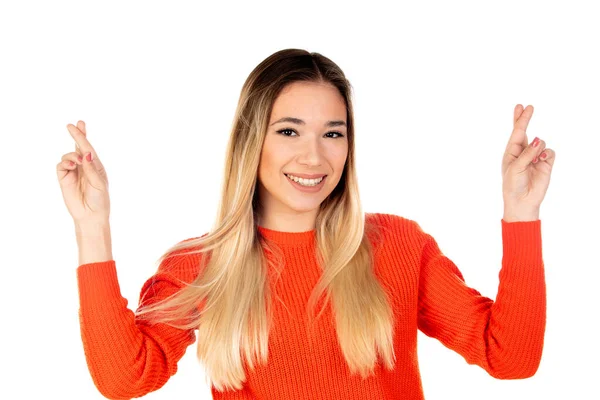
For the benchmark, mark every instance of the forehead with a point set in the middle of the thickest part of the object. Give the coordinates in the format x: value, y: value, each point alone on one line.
x: 309, y: 101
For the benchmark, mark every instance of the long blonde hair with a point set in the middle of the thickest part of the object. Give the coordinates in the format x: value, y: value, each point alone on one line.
x: 229, y: 302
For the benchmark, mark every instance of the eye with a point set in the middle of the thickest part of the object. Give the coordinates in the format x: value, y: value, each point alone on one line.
x: 281, y: 131
x: 284, y: 132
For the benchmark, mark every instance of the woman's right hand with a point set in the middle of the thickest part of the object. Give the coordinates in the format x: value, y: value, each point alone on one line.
x: 84, y: 184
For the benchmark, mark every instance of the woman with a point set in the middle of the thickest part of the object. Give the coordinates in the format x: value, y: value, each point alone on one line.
x: 289, y: 229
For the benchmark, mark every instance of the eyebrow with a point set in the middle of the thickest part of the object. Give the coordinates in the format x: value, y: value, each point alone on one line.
x: 301, y: 122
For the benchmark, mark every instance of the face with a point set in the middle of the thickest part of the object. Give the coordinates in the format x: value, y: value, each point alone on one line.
x: 315, y: 142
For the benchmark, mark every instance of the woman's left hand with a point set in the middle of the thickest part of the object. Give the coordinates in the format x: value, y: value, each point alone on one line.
x: 526, y: 170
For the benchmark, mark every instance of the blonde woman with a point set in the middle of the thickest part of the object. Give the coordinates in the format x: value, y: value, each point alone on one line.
x: 290, y: 239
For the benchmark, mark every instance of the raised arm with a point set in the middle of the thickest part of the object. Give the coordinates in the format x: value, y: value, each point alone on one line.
x: 126, y: 357
x: 505, y: 337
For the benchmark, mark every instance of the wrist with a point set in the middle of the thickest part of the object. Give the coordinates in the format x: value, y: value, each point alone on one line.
x: 91, y: 227
x: 94, y: 242
x: 516, y: 215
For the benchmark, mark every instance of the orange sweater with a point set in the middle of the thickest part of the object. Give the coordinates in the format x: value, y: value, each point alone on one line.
x: 127, y: 358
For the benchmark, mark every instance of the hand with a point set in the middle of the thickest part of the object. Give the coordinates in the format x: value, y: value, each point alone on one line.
x: 84, y: 184
x: 525, y: 169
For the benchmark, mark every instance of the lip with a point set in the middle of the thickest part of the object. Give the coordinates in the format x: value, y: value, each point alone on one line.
x: 306, y: 176
x: 307, y: 189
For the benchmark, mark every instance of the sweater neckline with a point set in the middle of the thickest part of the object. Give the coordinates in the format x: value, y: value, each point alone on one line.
x: 288, y: 238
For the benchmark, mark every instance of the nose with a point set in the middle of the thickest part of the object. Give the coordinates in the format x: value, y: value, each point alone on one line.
x: 311, y: 153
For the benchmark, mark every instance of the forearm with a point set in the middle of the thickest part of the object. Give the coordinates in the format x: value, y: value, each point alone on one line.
x: 519, y: 311
x: 94, y: 242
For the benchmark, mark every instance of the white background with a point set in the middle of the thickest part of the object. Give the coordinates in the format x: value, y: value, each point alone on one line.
x: 435, y: 88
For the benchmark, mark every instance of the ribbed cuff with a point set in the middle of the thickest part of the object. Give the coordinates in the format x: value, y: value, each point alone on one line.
x: 98, y: 282
x: 522, y: 240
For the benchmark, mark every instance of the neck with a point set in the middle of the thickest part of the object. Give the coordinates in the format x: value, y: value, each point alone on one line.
x: 287, y: 222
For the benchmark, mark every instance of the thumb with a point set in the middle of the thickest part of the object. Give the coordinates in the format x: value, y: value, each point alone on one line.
x: 91, y: 172
x: 527, y: 155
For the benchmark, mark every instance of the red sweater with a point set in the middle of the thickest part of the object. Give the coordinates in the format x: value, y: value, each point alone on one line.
x: 127, y: 358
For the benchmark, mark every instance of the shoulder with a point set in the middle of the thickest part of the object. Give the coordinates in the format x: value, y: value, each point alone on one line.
x: 184, y: 260
x: 395, y: 222
x: 396, y: 229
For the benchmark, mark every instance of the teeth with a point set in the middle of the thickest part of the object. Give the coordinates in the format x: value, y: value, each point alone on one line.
x: 305, y: 182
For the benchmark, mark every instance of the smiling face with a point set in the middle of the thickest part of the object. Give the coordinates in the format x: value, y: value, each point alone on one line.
x: 313, y: 142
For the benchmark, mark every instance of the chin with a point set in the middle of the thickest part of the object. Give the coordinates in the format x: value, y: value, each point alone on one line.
x: 302, y: 207
x: 300, y: 204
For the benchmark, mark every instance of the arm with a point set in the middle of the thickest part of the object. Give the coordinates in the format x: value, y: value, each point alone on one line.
x: 504, y: 337
x: 126, y: 357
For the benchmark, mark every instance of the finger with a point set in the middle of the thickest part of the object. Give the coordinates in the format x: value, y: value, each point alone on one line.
x: 92, y: 173
x: 517, y: 113
x: 82, y: 144
x: 528, y: 155
x: 518, y: 135
x: 66, y: 165
x: 518, y: 139
x: 73, y: 156
x: 550, y: 156
x: 81, y: 126
x: 80, y: 131
x: 539, y: 149
x: 63, y: 168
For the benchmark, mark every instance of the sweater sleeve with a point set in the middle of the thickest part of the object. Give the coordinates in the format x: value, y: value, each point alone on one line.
x: 127, y: 357
x: 505, y: 337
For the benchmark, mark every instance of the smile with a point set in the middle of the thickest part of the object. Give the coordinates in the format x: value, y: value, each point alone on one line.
x: 305, y: 182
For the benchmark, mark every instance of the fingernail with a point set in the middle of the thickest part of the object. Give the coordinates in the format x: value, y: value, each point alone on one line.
x: 535, y: 142
x: 535, y: 160
x: 543, y: 155
x: 79, y: 158
x: 88, y: 157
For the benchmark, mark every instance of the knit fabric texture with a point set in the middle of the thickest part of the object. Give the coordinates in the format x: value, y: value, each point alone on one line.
x: 128, y: 358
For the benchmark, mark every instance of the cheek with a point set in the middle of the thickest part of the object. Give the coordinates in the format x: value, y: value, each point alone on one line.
x: 271, y: 161
x: 337, y: 156
x: 275, y: 157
